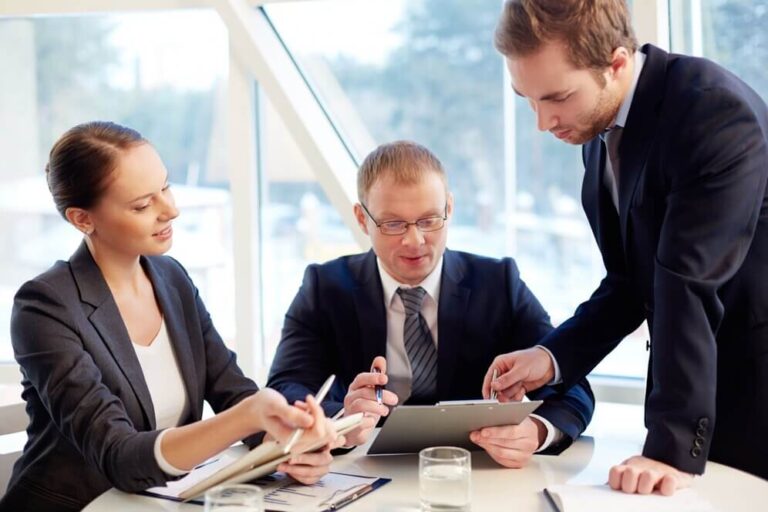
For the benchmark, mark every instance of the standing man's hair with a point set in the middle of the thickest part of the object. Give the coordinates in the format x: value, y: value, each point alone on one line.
x: 590, y: 29
x: 404, y: 160
x: 82, y: 160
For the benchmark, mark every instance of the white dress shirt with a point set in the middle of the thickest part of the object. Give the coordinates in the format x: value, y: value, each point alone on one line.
x: 398, y: 364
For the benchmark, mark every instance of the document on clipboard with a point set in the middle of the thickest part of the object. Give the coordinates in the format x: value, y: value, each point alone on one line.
x: 284, y: 494
x: 410, y: 428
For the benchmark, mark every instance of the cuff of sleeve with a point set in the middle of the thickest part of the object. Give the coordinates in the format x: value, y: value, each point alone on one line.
x: 554, y: 435
x: 557, y: 379
x: 166, y: 466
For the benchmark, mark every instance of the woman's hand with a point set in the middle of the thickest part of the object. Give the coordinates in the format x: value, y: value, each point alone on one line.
x: 273, y: 414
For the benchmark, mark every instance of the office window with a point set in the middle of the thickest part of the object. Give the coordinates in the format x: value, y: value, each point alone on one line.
x: 162, y: 73
x: 299, y: 225
x: 426, y: 70
x: 730, y: 32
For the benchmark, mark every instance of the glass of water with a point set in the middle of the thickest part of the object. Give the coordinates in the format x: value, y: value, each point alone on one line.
x: 445, y: 479
x: 234, y: 498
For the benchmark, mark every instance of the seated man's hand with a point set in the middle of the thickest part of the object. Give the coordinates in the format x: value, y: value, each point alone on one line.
x: 361, y: 397
x: 511, y: 445
x: 642, y: 475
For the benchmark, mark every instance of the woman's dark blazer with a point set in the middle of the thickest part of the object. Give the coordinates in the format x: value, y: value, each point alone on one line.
x: 92, y: 424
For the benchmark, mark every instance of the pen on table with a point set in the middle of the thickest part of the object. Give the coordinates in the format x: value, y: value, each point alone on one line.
x: 492, y: 395
x: 319, y: 398
x: 378, y: 389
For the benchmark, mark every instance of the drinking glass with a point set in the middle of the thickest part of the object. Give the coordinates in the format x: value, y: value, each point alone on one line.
x: 445, y: 479
x: 234, y: 498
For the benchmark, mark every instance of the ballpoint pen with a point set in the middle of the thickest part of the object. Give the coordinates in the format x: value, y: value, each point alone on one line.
x: 492, y: 395
x: 377, y: 388
x: 319, y: 398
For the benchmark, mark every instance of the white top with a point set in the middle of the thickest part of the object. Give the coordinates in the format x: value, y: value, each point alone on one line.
x: 166, y: 387
x: 398, y: 364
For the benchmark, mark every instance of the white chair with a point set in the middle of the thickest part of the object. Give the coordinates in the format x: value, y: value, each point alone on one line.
x: 13, y: 425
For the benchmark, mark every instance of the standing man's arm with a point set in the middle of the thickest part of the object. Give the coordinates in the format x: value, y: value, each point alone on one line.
x: 717, y: 186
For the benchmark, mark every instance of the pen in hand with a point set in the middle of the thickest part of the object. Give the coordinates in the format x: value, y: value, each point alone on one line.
x: 492, y: 395
x: 378, y: 389
x: 319, y: 398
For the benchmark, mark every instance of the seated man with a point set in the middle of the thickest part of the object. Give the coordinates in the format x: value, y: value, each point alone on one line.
x: 431, y: 320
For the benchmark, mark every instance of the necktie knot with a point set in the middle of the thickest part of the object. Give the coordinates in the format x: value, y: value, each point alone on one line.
x: 412, y: 298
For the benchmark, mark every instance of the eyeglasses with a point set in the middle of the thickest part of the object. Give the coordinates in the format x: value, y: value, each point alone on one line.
x: 400, y: 227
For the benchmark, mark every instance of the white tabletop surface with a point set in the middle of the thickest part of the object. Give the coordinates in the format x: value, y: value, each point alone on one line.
x: 615, y: 434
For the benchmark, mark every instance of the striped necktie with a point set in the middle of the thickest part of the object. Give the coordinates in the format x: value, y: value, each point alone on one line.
x: 419, y: 346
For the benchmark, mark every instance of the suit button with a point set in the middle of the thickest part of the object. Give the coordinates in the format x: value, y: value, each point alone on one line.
x: 698, y: 442
x: 700, y: 432
x: 695, y: 452
x: 703, y: 422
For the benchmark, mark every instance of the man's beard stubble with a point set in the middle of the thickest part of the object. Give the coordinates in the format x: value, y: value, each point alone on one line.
x: 599, y: 119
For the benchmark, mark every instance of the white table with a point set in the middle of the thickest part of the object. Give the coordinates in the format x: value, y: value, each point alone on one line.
x: 615, y: 433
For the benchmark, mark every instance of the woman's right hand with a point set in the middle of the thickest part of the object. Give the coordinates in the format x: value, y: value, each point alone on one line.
x: 273, y: 414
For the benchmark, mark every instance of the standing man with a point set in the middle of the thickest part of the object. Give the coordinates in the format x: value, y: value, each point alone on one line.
x: 676, y: 164
x: 430, y: 319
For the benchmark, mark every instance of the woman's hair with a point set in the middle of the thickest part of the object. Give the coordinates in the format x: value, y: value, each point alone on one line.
x: 82, y: 160
x: 590, y: 29
x: 405, y: 161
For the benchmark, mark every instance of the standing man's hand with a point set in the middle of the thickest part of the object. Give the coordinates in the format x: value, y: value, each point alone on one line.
x: 642, y: 475
x: 519, y: 372
x: 511, y: 445
x: 361, y: 397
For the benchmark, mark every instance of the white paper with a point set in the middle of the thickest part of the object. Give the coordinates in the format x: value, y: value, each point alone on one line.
x: 597, y: 498
x: 174, y: 488
x: 282, y: 493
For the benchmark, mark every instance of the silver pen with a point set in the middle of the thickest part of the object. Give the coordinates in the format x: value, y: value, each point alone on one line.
x: 492, y: 395
x: 319, y: 398
x: 377, y: 388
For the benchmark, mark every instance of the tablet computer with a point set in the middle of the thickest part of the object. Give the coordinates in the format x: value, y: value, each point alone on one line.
x: 411, y: 428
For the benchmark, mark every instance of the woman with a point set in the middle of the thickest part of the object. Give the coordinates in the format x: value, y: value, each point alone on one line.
x: 117, y: 350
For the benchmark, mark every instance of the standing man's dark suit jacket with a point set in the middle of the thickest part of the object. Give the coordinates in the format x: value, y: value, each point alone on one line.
x: 337, y: 324
x: 92, y: 424
x: 688, y: 251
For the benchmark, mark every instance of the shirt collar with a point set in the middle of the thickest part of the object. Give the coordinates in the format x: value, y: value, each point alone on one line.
x: 431, y: 283
x: 621, y: 116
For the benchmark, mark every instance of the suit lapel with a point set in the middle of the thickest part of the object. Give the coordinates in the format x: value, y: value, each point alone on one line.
x: 107, y: 321
x: 451, y: 310
x: 371, y: 312
x: 640, y: 130
x: 173, y: 313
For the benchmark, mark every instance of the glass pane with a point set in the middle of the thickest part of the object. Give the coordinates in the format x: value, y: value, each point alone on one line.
x: 162, y: 73
x: 299, y: 225
x: 730, y: 32
x: 426, y: 70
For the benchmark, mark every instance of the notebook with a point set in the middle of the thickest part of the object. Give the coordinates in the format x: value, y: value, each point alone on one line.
x: 242, y: 466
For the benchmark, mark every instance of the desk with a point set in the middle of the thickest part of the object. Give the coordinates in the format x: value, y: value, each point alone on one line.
x: 615, y: 433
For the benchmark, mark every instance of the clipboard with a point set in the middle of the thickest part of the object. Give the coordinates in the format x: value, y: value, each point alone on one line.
x: 410, y: 428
